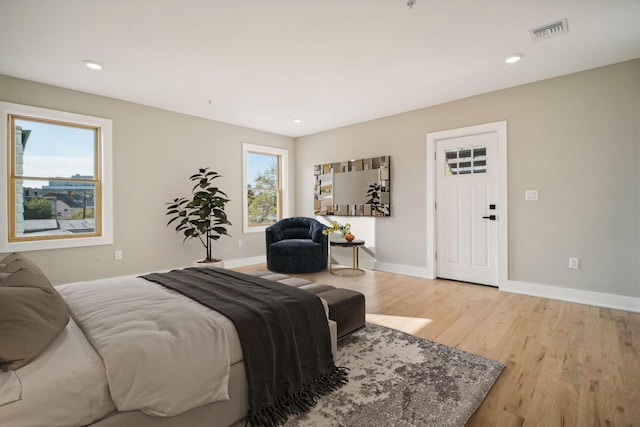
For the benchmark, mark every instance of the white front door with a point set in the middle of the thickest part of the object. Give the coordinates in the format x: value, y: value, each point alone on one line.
x: 467, y: 210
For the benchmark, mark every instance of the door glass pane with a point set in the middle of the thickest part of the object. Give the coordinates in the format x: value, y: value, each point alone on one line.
x: 480, y: 159
x: 451, y: 162
x: 464, y: 161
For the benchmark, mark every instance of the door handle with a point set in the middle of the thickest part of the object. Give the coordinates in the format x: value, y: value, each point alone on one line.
x: 490, y: 217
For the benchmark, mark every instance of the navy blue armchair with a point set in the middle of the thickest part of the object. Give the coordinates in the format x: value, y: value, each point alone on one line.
x: 297, y: 245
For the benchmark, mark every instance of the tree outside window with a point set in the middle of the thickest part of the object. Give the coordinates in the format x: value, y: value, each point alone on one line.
x: 264, y: 188
x: 262, y: 193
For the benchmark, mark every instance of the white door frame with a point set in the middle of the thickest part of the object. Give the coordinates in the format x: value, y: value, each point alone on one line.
x: 503, y: 254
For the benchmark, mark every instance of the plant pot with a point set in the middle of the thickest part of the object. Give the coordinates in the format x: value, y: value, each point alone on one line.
x: 349, y: 237
x: 209, y: 263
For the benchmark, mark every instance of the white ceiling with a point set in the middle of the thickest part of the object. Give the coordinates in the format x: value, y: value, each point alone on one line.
x: 330, y: 63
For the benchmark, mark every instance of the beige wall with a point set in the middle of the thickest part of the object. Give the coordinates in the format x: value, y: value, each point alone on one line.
x: 575, y: 139
x: 154, y: 153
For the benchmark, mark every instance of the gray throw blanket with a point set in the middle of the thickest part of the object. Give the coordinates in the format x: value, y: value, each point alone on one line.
x: 284, y: 336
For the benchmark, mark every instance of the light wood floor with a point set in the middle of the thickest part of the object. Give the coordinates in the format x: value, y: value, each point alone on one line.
x: 566, y: 364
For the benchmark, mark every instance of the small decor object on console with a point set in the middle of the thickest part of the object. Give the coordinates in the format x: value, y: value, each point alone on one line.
x: 337, y: 227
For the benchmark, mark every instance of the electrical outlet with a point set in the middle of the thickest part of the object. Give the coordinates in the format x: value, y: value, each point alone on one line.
x: 531, y: 195
x: 117, y: 255
x: 239, y: 242
x: 573, y: 263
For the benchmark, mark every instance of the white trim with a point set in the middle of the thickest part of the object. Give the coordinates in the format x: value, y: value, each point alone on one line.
x: 106, y: 179
x: 407, y: 270
x: 432, y: 138
x: 284, y: 176
x: 578, y: 296
x: 242, y: 262
x: 233, y: 263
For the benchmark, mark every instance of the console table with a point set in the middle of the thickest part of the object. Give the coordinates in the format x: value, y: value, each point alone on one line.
x: 343, y: 271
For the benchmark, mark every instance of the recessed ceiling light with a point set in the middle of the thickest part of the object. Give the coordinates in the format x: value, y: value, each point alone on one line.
x: 93, y: 65
x: 297, y: 120
x: 514, y: 58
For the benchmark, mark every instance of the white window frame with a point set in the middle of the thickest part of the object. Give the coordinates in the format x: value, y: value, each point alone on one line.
x: 284, y: 178
x: 106, y: 237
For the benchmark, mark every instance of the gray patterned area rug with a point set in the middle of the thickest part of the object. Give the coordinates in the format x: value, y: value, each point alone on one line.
x: 397, y: 379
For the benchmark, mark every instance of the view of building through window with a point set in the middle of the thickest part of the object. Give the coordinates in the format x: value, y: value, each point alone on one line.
x: 54, y: 178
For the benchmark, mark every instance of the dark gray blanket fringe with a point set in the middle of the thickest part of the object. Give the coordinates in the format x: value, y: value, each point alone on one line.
x: 294, y: 404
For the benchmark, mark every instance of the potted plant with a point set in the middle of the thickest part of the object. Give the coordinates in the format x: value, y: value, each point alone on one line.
x: 202, y: 216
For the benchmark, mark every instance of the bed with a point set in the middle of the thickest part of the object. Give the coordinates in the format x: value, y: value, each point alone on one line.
x: 131, y: 353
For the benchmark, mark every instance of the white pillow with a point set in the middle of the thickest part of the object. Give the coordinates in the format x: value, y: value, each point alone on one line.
x: 10, y: 387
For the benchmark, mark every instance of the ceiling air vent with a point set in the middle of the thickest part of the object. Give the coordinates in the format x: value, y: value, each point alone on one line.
x: 555, y: 29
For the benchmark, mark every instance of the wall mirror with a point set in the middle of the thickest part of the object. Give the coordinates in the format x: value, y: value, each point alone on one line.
x: 353, y: 188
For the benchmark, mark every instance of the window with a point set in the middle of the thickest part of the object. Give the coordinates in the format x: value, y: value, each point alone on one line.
x: 265, y: 191
x: 57, y: 169
x: 462, y: 161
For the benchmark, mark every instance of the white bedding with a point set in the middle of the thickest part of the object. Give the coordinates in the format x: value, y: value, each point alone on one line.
x: 71, y: 374
x: 137, y: 326
x: 163, y: 354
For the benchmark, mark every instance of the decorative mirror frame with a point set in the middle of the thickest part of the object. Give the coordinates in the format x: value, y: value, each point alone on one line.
x: 375, y: 200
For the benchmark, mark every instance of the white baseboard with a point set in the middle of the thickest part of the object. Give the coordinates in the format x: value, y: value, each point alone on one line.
x: 579, y: 296
x: 408, y: 270
x: 241, y: 262
x: 598, y: 299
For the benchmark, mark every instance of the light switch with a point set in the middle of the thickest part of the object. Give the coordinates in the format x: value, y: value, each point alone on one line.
x: 531, y: 195
x: 574, y: 263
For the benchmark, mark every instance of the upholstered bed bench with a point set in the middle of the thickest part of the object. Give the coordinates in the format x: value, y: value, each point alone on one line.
x: 346, y: 307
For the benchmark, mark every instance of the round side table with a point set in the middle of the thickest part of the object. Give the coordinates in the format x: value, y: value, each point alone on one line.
x: 346, y: 271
